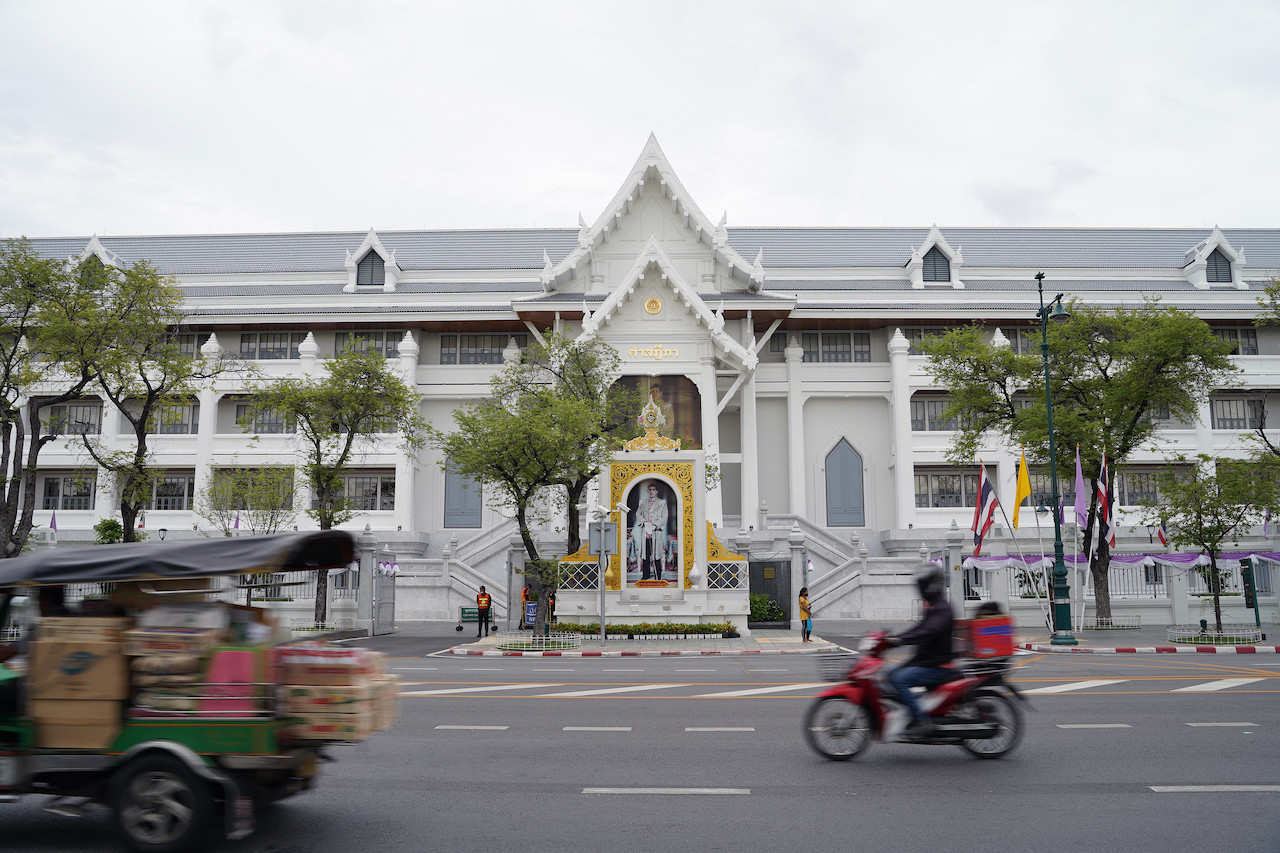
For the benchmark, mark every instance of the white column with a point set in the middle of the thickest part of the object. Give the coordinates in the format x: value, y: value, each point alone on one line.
x: 710, y: 432
x: 796, y: 468
x: 104, y: 505
x: 750, y: 452
x: 900, y: 409
x: 406, y: 471
x: 206, y: 427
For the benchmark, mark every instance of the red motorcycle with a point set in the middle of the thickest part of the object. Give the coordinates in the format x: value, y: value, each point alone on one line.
x: 975, y: 710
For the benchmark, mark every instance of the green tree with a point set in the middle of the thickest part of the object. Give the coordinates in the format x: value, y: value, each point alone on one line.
x: 552, y: 423
x: 56, y: 321
x: 143, y: 370
x: 337, y: 417
x: 258, y: 500
x: 1112, y: 372
x: 1212, y: 502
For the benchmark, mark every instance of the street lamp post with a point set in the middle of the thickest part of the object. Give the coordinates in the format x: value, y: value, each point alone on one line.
x: 1062, y: 635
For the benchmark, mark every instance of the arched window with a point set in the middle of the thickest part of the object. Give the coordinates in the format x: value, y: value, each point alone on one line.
x: 462, y: 496
x: 845, y: 506
x: 371, y: 270
x: 936, y: 266
x: 1219, y: 268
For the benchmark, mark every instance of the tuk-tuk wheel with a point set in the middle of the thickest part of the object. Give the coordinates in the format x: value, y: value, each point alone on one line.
x: 160, y: 805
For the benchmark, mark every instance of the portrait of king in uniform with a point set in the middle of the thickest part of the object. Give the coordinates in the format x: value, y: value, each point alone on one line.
x: 653, y: 534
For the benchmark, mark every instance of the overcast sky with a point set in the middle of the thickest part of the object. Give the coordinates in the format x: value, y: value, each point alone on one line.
x: 194, y: 117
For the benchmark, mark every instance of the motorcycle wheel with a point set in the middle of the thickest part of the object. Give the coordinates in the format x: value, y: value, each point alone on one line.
x: 998, y: 709
x: 836, y: 728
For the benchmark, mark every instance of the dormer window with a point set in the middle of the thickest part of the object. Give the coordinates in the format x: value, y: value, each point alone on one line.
x: 936, y: 266
x: 92, y: 273
x: 1218, y: 268
x: 371, y: 270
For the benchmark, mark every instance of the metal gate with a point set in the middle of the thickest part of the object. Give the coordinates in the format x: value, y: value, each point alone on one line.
x: 384, y: 594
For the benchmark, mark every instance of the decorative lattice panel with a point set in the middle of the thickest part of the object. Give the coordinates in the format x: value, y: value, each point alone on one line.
x: 578, y: 575
x: 727, y: 575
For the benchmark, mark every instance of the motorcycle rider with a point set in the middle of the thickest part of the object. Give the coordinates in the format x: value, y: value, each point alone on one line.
x: 932, y: 638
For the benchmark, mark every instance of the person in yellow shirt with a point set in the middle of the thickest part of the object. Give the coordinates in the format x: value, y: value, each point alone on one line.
x: 806, y: 617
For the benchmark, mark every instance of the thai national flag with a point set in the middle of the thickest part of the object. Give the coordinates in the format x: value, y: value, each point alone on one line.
x: 984, y: 511
x: 1106, y: 522
x: 1162, y: 533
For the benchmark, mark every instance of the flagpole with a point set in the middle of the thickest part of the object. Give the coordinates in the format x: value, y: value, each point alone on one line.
x: 1062, y: 635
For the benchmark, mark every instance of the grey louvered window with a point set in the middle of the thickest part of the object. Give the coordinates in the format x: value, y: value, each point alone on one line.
x: 1219, y: 268
x: 371, y: 270
x: 845, y: 506
x: 936, y: 266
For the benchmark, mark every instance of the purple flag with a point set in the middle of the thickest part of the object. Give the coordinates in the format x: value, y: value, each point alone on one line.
x: 53, y: 520
x: 236, y: 526
x: 1082, y: 501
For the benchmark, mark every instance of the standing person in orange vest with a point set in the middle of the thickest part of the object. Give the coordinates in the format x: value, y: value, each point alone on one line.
x: 483, y: 603
x: 806, y: 616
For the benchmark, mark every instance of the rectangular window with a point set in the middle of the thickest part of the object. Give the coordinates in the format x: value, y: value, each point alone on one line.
x: 1236, y: 412
x: 76, y: 419
x: 832, y: 347
x: 926, y: 415
x: 69, y: 492
x: 268, y: 346
x: 369, y: 492
x: 1244, y: 339
x: 477, y: 349
x: 262, y: 423
x: 387, y: 343
x: 189, y: 344
x: 177, y: 419
x: 1135, y: 488
x: 916, y: 334
x: 172, y: 493
x: 1151, y: 574
x: 1042, y: 490
x: 1023, y: 341
x: 947, y: 488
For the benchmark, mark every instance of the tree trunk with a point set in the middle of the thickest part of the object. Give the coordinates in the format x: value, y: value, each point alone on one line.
x: 1101, y: 570
x: 1215, y: 586
x: 573, y: 525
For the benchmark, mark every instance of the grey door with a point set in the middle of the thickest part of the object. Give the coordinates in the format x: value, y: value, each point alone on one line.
x: 845, y: 507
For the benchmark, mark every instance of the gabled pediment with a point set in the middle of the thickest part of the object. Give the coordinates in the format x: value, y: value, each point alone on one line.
x: 954, y: 260
x: 652, y: 169
x: 652, y: 262
x: 391, y: 269
x: 1200, y: 256
x: 95, y: 249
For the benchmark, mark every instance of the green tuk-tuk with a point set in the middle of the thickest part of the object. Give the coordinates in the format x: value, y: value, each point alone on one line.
x: 188, y: 771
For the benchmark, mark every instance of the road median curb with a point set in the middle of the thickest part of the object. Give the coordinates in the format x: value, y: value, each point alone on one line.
x: 1150, y: 650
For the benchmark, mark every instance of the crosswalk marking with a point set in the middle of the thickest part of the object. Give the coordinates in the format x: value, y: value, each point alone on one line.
x: 1078, y: 685
x: 757, y: 691
x: 607, y: 690
x: 490, y: 688
x: 1216, y: 685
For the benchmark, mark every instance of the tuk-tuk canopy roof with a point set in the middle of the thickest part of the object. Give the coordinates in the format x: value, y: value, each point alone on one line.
x: 197, y: 558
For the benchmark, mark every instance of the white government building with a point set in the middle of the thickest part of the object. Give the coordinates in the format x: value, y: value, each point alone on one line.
x: 783, y: 354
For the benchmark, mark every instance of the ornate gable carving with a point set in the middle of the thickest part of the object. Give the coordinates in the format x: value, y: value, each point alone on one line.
x: 391, y: 269
x: 955, y: 258
x: 1198, y: 261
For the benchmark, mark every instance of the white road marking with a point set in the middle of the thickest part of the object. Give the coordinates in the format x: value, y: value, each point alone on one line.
x: 415, y: 668
x: 666, y: 790
x: 695, y: 670
x: 1214, y: 789
x: 622, y: 670
x: 768, y: 670
x: 490, y: 688
x: 553, y: 669
x: 1095, y: 726
x: 607, y: 690
x: 476, y: 728
x: 1210, y: 686
x: 597, y: 728
x: 1225, y: 725
x: 757, y: 691
x: 1078, y: 685
x: 720, y: 728
x: 482, y: 669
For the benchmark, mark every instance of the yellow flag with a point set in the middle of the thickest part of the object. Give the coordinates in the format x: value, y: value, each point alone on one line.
x: 1024, y: 489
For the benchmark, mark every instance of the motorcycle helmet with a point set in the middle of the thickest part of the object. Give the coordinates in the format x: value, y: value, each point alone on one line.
x: 931, y: 582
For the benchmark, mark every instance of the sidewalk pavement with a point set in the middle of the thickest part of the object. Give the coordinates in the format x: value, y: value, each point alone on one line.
x: 840, y: 634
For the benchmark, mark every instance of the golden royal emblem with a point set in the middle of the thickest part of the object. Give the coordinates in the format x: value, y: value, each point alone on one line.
x: 653, y: 305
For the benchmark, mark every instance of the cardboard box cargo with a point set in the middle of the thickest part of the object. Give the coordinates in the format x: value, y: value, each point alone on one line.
x: 170, y: 641
x: 323, y: 665
x: 332, y: 726
x: 205, y: 614
x: 331, y: 699
x: 75, y: 723
x: 89, y: 629
x: 77, y: 670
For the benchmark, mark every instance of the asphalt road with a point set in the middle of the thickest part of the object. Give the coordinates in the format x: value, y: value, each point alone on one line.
x: 658, y: 754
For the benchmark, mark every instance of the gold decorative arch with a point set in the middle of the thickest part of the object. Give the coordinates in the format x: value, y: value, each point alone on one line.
x: 622, y: 474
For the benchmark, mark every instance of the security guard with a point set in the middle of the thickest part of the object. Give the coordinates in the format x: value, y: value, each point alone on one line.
x: 483, y: 602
